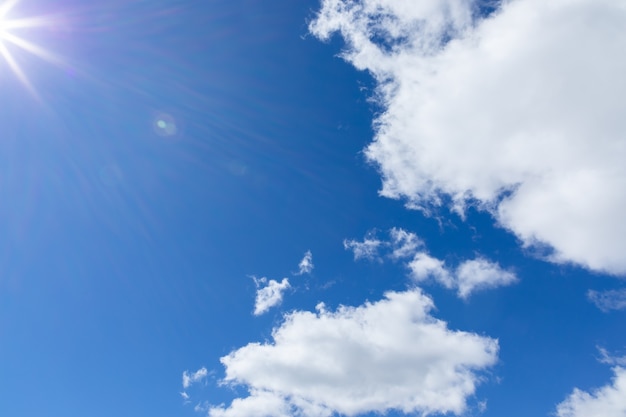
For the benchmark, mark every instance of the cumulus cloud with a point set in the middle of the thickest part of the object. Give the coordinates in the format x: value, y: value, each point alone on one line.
x: 268, y: 294
x: 381, y: 356
x: 423, y: 266
x: 608, y: 300
x: 478, y: 274
x: 190, y: 378
x: 258, y: 404
x: 520, y: 113
x: 306, y: 264
x: 607, y: 401
x: 470, y: 276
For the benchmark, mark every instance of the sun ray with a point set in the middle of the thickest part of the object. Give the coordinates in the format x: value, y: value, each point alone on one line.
x: 29, y: 22
x: 33, y: 49
x: 17, y: 70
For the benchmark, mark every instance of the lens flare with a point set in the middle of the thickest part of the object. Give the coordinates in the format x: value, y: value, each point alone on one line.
x: 165, y: 125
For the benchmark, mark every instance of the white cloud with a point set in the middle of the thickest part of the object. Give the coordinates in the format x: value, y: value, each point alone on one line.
x: 470, y: 276
x: 423, y: 266
x: 607, y: 401
x: 479, y: 274
x: 607, y: 358
x: 367, y: 249
x: 403, y: 243
x: 202, y: 407
x: 270, y: 295
x: 608, y: 300
x: 258, y: 404
x: 387, y: 355
x: 520, y: 113
x: 306, y: 264
x: 192, y: 378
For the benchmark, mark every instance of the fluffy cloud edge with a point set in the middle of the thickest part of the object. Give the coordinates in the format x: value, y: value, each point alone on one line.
x: 480, y: 274
x: 606, y: 401
x: 548, y: 165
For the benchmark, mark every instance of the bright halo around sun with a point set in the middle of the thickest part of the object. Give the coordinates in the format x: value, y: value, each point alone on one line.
x: 12, y: 36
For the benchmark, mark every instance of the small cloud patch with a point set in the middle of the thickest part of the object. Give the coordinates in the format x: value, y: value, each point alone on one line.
x: 608, y: 300
x: 306, y: 264
x: 269, y: 294
x: 190, y: 378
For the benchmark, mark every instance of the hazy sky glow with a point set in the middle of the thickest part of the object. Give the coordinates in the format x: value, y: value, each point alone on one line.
x: 315, y: 208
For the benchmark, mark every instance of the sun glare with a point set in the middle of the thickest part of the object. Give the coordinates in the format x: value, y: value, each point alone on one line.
x: 5, y: 21
x: 10, y: 39
x: 4, y: 9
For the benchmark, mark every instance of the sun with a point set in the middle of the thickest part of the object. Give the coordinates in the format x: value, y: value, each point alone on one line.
x: 9, y: 38
x: 4, y: 20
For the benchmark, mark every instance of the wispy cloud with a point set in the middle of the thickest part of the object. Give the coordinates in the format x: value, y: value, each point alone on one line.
x: 606, y: 357
x: 269, y: 294
x: 365, y: 249
x: 357, y: 360
x: 404, y: 244
x: 512, y: 114
x: 190, y: 378
x: 202, y: 407
x: 608, y: 300
x: 400, y: 244
x: 306, y: 264
x: 468, y: 277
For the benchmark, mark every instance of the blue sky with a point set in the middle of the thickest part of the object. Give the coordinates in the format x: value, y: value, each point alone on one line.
x: 312, y: 208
